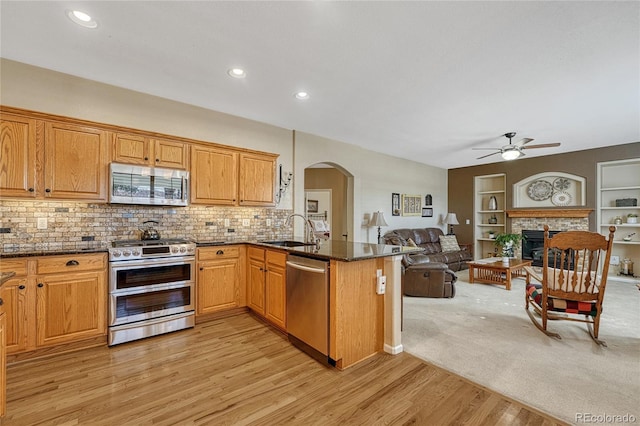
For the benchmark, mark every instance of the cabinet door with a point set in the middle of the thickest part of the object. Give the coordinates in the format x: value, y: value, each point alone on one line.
x: 170, y: 154
x: 16, y: 294
x: 214, y: 176
x: 17, y: 156
x: 131, y: 149
x: 3, y: 365
x: 218, y: 283
x: 257, y: 180
x: 276, y: 289
x: 70, y: 307
x: 75, y: 163
x: 255, y: 279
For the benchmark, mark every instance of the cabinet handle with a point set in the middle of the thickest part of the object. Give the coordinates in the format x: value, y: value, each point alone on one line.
x: 157, y: 160
x: 40, y: 285
x: 21, y: 287
x: 146, y: 158
x: 219, y: 252
x: 202, y: 269
x: 31, y: 189
x: 47, y: 190
x: 73, y: 263
x: 1, y: 302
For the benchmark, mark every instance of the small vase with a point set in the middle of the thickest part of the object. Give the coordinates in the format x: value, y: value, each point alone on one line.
x: 505, y: 260
x: 493, y: 203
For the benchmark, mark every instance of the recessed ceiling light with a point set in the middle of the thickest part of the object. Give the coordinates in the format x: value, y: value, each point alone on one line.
x: 302, y: 95
x: 82, y: 19
x: 237, y: 73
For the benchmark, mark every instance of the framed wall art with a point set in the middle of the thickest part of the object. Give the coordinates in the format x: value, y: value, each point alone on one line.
x: 427, y: 212
x: 395, y: 204
x: 312, y: 206
x: 411, y: 205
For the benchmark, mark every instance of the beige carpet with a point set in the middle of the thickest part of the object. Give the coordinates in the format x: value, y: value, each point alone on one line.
x: 485, y: 335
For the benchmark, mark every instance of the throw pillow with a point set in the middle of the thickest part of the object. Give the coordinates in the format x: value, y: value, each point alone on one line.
x: 449, y: 243
x: 411, y: 243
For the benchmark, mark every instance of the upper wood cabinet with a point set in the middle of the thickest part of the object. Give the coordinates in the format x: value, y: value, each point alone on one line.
x: 75, y: 165
x: 257, y: 180
x: 138, y: 149
x: 225, y: 177
x: 214, y: 176
x: 18, y: 170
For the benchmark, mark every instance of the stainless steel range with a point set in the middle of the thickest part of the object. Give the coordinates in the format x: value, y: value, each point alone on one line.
x: 151, y: 288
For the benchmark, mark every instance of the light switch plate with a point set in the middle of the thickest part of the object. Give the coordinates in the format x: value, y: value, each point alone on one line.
x: 246, y: 222
x: 615, y: 260
x: 226, y: 223
x: 268, y: 222
x: 42, y: 223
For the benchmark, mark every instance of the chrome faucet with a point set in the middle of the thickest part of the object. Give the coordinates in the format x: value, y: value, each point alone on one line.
x: 308, y: 229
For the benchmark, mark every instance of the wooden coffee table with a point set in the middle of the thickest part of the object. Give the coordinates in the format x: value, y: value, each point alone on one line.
x: 490, y: 271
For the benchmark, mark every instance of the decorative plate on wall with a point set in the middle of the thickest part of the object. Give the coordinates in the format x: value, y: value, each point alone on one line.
x: 561, y: 198
x: 560, y: 184
x: 539, y: 190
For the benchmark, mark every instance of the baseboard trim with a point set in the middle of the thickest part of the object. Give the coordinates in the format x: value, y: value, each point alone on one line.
x: 393, y: 350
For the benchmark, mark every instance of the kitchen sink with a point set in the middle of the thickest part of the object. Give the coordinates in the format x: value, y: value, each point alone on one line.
x: 287, y: 243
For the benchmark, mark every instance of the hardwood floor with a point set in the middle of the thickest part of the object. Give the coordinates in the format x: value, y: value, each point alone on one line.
x: 237, y: 371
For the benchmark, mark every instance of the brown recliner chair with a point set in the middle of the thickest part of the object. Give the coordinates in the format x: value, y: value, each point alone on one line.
x: 429, y: 280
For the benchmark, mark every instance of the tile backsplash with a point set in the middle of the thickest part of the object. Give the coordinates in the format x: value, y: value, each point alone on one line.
x: 72, y: 224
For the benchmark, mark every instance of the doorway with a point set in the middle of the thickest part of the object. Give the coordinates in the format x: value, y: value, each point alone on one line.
x: 332, y: 187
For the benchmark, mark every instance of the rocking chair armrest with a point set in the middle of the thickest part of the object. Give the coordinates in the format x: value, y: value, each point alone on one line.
x: 531, y: 273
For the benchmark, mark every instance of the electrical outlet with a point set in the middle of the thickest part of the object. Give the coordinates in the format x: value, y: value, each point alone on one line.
x: 467, y: 222
x: 226, y: 223
x: 614, y: 260
x: 246, y: 222
x: 42, y: 223
x: 268, y: 222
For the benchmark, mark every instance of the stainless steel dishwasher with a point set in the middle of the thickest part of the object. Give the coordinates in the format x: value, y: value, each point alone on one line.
x: 308, y: 306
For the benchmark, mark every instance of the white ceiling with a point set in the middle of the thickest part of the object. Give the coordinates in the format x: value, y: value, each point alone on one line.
x: 425, y: 81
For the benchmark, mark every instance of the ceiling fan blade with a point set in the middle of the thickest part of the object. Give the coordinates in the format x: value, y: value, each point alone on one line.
x: 542, y: 145
x: 524, y: 141
x: 487, y: 148
x: 488, y: 155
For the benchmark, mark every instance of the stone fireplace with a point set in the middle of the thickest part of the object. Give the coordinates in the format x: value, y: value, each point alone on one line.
x: 557, y: 219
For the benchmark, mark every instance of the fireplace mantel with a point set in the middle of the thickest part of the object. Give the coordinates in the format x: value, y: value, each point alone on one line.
x: 549, y: 213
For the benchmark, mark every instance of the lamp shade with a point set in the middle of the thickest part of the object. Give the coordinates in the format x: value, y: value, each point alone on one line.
x: 451, y: 219
x: 377, y: 219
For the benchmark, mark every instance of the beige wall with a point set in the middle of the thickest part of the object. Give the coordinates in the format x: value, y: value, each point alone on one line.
x: 375, y: 176
x: 581, y: 163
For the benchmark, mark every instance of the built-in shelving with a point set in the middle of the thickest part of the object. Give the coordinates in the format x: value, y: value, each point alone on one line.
x: 620, y: 180
x: 484, y: 188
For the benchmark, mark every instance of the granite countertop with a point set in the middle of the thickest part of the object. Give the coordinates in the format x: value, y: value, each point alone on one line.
x: 332, y: 249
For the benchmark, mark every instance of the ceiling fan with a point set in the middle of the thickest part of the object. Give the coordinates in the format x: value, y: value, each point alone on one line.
x: 513, y: 151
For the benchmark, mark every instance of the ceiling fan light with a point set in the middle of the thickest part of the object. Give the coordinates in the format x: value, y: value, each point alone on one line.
x: 511, y: 154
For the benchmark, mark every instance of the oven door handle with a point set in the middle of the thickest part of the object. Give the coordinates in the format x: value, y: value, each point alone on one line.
x: 151, y: 288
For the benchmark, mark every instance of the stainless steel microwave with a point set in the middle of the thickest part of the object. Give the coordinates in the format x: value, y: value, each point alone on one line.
x: 148, y: 185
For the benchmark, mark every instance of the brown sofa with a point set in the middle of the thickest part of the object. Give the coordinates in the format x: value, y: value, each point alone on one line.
x: 429, y: 240
x: 432, y: 272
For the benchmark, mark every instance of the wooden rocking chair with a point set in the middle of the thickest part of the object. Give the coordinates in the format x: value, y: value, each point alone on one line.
x: 573, y: 281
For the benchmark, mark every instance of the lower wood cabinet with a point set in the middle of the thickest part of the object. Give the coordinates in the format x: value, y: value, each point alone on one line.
x: 266, y: 283
x: 54, y: 300
x: 3, y: 361
x: 220, y: 279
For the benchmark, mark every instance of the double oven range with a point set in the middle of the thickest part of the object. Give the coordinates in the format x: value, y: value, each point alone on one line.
x: 151, y: 288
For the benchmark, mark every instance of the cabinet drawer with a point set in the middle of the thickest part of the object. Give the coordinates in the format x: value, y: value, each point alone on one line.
x: 277, y: 257
x: 19, y: 266
x: 71, y: 263
x: 256, y: 253
x: 219, y: 252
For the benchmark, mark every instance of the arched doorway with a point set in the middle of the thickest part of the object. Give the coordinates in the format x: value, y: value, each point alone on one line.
x: 333, y: 183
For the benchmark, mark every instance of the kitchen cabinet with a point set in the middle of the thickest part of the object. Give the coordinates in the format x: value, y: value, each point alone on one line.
x: 54, y: 300
x: 142, y: 150
x: 3, y: 361
x: 257, y: 180
x: 225, y: 177
x: 75, y: 165
x: 214, y: 176
x: 17, y: 156
x: 220, y: 283
x: 267, y: 284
